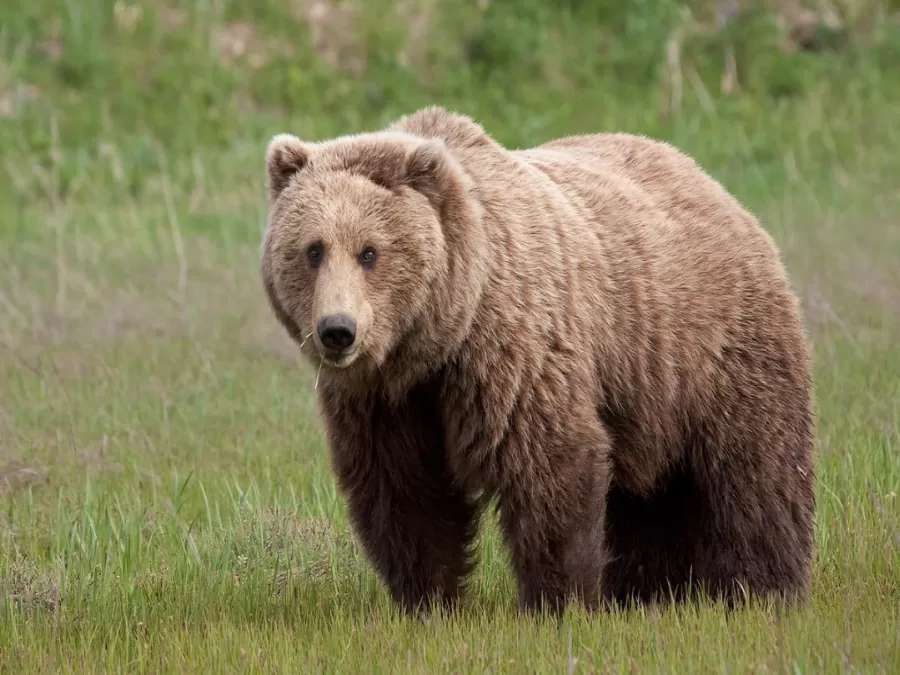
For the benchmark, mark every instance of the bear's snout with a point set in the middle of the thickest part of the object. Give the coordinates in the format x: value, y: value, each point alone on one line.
x: 337, y: 333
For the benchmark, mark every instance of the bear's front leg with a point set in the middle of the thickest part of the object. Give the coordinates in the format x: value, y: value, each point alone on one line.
x: 418, y: 541
x: 553, y: 514
x: 415, y: 526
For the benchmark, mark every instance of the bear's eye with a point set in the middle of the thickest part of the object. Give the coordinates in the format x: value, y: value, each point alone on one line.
x: 314, y: 254
x: 367, y: 257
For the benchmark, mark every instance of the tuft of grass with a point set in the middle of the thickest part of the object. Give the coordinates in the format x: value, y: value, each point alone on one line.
x: 166, y: 503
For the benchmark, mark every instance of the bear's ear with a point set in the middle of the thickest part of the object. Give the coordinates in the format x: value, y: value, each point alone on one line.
x: 285, y: 156
x: 431, y: 170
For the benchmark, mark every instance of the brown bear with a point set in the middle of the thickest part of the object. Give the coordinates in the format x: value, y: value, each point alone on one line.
x: 592, y: 331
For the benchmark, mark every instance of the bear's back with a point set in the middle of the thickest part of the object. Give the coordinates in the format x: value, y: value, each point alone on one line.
x: 663, y: 219
x: 663, y: 175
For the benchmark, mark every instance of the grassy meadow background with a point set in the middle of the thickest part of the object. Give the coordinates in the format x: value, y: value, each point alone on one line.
x: 166, y: 503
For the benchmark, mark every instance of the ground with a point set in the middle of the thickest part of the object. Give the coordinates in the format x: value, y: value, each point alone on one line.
x: 165, y: 498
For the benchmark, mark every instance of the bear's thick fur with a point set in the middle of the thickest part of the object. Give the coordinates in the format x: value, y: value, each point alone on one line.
x: 593, y: 331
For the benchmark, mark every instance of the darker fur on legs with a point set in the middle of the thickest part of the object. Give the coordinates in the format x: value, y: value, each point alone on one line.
x: 554, y: 527
x: 742, y: 531
x: 416, y: 528
x: 560, y: 563
x: 648, y: 543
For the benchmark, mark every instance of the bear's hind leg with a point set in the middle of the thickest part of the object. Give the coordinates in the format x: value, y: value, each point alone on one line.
x: 756, y: 535
x: 733, y: 520
x: 752, y: 458
x: 649, y: 542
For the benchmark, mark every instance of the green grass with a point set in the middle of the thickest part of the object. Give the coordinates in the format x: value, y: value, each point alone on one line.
x: 167, y: 504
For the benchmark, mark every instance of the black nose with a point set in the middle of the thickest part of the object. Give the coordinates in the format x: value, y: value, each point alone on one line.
x: 337, y: 332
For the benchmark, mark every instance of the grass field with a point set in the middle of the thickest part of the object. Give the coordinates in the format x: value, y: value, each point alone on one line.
x: 167, y: 504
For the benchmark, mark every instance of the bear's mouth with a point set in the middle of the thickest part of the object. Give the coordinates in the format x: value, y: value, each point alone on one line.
x: 339, y: 358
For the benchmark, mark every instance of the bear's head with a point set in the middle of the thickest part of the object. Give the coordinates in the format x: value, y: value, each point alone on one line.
x: 365, y: 250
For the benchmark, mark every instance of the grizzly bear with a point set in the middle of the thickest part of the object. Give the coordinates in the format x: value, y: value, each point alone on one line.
x: 592, y: 333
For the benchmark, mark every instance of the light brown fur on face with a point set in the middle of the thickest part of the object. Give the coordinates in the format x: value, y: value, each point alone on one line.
x: 346, y: 212
x: 593, y: 331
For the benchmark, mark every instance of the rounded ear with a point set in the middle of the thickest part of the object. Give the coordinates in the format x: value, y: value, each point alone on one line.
x: 431, y: 170
x: 285, y: 156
